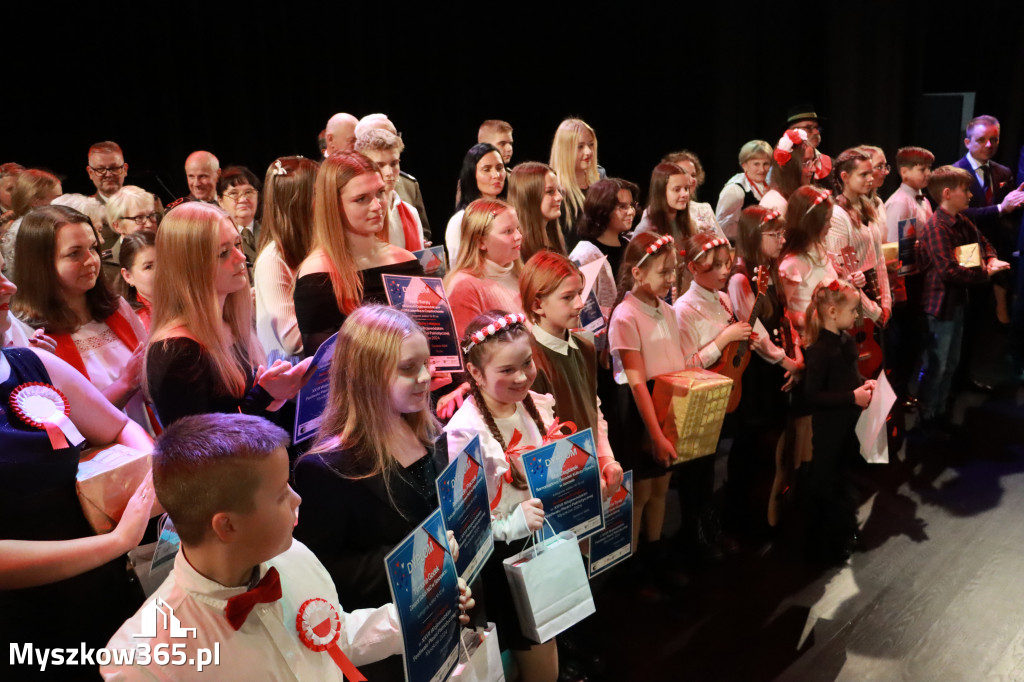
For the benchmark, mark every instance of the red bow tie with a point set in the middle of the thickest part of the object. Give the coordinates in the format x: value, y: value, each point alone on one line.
x: 268, y: 590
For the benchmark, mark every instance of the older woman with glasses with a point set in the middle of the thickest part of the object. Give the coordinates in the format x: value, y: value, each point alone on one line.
x: 239, y: 191
x: 128, y: 211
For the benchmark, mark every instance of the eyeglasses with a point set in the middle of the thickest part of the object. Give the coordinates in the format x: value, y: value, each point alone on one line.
x: 112, y: 170
x: 883, y: 167
x: 245, y: 194
x: 777, y: 235
x: 627, y: 207
x: 811, y: 163
x: 142, y: 219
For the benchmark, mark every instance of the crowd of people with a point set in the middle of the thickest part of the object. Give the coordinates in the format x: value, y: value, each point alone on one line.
x: 195, y: 324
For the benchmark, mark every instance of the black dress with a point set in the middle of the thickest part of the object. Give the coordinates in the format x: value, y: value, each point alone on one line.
x: 351, y: 523
x: 182, y: 382
x: 38, y: 502
x: 831, y: 377
x: 316, y: 309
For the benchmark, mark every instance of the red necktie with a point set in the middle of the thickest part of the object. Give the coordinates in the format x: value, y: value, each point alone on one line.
x: 268, y: 590
x: 987, y: 172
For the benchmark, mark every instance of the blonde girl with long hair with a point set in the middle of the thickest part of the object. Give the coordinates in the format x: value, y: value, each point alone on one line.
x: 574, y: 160
x: 369, y: 479
x: 486, y: 275
x: 349, y: 255
x: 203, y: 355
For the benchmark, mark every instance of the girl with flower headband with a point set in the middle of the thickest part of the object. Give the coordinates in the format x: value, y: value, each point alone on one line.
x: 644, y: 341
x: 763, y: 408
x: 836, y: 393
x: 707, y: 326
x: 510, y: 419
x: 793, y: 166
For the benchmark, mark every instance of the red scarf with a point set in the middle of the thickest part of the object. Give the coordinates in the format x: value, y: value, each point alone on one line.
x: 410, y: 229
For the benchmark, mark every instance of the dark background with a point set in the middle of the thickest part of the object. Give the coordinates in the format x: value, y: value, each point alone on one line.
x: 253, y: 82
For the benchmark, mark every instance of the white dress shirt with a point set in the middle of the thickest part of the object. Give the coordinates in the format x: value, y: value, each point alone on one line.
x: 267, y: 646
x: 903, y: 205
x: 701, y: 315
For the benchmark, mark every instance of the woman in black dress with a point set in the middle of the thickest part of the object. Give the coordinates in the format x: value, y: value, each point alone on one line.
x: 348, y: 257
x: 369, y: 479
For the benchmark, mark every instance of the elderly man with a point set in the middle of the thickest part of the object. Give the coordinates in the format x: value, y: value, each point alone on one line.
x: 408, y: 187
x: 341, y: 133
x: 202, y: 171
x: 385, y: 148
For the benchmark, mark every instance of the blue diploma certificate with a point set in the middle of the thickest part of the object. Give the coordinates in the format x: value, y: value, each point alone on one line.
x: 462, y: 492
x: 425, y: 591
x: 565, y: 477
x: 614, y: 544
x: 312, y: 398
x: 423, y: 299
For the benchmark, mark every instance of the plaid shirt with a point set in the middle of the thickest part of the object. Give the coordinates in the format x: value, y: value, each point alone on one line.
x: 945, y: 280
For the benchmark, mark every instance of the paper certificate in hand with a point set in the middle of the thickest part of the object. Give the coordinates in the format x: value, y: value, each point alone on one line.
x: 614, y: 544
x: 462, y: 493
x: 425, y: 591
x: 433, y: 260
x: 968, y: 255
x: 564, y: 475
x: 424, y: 300
x: 311, y: 401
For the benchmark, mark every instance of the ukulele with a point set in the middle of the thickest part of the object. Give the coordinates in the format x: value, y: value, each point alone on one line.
x: 870, y: 357
x: 736, y: 357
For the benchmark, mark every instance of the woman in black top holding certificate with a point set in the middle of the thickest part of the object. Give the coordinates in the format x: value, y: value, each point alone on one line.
x: 349, y: 257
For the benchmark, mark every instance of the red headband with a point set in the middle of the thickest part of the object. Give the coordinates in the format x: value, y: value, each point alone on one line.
x: 493, y: 328
x: 655, y: 247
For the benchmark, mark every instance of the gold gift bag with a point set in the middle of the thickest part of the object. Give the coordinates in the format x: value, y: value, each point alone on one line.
x: 691, y: 406
x: 107, y: 478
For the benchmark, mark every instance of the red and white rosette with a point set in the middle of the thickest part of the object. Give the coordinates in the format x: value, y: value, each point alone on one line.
x: 44, y: 407
x: 319, y: 627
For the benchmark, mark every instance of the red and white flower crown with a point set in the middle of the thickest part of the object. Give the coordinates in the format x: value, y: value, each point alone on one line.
x: 822, y: 196
x: 709, y: 246
x: 655, y: 246
x: 784, y: 149
x: 770, y: 215
x: 499, y: 325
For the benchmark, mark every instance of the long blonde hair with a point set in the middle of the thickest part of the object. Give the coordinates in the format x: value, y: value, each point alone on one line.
x: 360, y: 416
x: 185, y: 295
x: 476, y: 222
x: 330, y: 224
x: 563, y: 161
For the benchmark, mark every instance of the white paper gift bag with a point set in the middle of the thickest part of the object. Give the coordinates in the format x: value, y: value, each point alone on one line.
x: 550, y: 587
x: 480, y: 657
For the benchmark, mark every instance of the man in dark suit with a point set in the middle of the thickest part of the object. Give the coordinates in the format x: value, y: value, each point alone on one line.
x: 994, y: 196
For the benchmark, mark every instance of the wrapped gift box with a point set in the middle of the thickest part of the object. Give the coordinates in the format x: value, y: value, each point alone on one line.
x: 107, y: 478
x: 968, y: 255
x: 691, y: 406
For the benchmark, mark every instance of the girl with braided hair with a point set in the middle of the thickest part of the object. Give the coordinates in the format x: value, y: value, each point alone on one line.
x: 510, y: 419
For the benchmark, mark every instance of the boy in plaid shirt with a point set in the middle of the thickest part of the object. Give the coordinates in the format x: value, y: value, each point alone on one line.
x: 947, y: 276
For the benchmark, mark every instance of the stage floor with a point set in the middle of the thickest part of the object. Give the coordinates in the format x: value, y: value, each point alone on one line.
x: 935, y: 595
